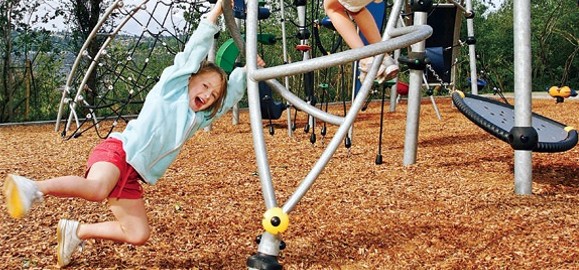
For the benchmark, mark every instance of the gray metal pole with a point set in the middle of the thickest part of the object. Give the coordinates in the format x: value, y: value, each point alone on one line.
x: 414, y: 98
x: 523, y: 115
x: 235, y: 109
x: 394, y: 88
x: 305, y: 56
x: 254, y: 108
x: 269, y: 244
x: 285, y: 60
x: 471, y: 48
x: 211, y: 58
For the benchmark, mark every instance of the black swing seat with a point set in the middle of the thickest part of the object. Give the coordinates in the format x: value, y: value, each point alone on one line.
x: 270, y: 109
x: 498, y: 119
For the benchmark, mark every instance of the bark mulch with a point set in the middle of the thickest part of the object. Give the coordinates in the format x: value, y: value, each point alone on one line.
x: 454, y: 209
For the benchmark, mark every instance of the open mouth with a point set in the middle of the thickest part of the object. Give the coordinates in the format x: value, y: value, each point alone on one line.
x: 199, y: 102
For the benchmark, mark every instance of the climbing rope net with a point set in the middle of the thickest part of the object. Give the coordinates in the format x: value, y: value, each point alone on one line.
x: 121, y: 60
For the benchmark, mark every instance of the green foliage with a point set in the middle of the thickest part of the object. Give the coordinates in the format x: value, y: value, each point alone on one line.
x: 29, y: 59
x: 46, y: 97
x: 555, y: 46
x: 554, y: 42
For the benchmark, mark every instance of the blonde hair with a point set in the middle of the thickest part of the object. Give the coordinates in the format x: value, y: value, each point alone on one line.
x: 207, y: 67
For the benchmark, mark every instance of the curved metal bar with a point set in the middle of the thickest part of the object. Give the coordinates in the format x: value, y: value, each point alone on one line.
x: 304, y: 106
x: 407, y: 36
x: 100, y: 52
x: 92, y: 34
x: 404, y: 37
x: 336, y: 140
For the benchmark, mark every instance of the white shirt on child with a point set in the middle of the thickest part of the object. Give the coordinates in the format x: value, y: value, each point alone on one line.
x: 356, y: 5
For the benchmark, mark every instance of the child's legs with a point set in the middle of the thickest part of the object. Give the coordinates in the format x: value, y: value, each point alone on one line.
x: 342, y: 23
x: 131, y: 226
x: 100, y: 180
x: 367, y: 25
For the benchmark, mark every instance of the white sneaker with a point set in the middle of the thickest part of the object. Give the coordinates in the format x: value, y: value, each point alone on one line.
x: 390, y: 73
x: 364, y: 66
x: 389, y: 69
x: 68, y: 241
x: 20, y: 193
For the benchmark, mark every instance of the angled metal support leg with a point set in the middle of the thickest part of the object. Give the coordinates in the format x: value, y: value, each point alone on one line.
x: 276, y: 219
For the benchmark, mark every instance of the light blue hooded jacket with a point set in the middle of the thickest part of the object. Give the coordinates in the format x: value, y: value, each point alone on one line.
x: 153, y: 140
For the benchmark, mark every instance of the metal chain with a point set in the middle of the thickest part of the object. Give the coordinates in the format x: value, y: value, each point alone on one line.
x: 444, y: 84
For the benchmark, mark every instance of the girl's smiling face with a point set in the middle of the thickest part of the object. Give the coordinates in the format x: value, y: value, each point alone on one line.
x: 204, y: 89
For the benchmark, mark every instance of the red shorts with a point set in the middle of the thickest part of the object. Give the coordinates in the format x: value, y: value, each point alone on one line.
x: 111, y: 150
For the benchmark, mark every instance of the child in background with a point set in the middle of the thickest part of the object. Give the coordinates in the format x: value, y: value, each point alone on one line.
x: 190, y: 95
x: 339, y: 12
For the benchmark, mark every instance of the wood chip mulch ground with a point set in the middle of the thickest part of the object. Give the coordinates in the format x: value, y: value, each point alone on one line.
x: 454, y: 209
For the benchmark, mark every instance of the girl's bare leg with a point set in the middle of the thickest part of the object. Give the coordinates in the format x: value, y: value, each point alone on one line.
x: 131, y: 226
x: 342, y: 23
x: 367, y: 25
x: 365, y: 21
x: 100, y: 181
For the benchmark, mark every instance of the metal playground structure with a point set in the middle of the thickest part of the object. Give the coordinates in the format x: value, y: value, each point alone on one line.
x: 75, y: 105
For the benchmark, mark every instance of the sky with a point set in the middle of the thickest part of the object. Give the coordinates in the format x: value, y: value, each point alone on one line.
x: 48, y: 7
x: 132, y: 27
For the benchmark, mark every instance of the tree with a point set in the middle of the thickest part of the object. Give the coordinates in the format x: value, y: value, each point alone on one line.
x: 8, y: 11
x: 20, y: 46
x: 85, y: 16
x: 30, y: 55
x: 554, y: 41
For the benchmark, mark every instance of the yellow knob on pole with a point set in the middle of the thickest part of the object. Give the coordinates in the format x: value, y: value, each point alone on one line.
x: 275, y: 221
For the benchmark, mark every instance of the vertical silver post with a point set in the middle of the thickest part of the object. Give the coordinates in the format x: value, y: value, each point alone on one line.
x: 523, y: 84
x: 414, y: 98
x: 301, y: 8
x: 211, y: 58
x: 235, y: 109
x: 394, y: 88
x: 285, y: 60
x: 471, y: 49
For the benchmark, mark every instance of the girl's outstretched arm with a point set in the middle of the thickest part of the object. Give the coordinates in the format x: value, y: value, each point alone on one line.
x: 214, y: 14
